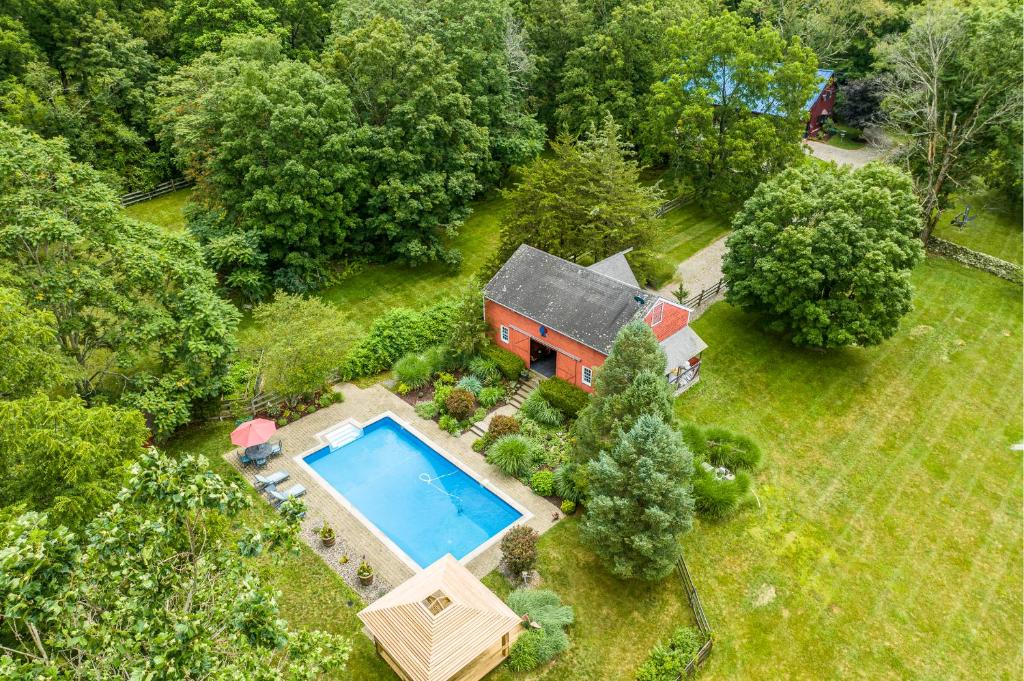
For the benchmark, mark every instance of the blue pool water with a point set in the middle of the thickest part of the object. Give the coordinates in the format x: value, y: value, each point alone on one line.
x: 423, y: 502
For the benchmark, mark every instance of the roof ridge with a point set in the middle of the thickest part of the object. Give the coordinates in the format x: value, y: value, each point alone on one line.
x: 587, y: 268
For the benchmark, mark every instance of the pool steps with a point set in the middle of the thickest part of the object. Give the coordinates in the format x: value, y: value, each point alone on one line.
x: 343, y: 434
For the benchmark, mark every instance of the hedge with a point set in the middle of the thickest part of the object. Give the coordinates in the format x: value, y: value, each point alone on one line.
x: 396, y: 333
x: 509, y: 363
x: 564, y: 396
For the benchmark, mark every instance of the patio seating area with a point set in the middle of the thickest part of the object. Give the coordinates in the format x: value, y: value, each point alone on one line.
x: 355, y: 539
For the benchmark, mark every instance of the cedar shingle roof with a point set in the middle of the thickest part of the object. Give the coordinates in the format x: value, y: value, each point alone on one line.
x: 432, y: 647
x: 583, y: 303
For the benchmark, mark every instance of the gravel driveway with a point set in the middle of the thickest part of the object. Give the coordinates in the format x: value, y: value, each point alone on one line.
x: 850, y: 157
x: 701, y: 270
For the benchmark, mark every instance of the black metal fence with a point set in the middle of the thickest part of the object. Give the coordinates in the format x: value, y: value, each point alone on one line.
x: 698, y: 614
x: 163, y: 188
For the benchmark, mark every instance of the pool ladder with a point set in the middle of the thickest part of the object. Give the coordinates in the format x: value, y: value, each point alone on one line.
x: 343, y: 434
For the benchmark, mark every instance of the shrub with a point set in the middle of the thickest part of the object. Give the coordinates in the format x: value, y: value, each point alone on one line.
x: 479, y: 415
x: 568, y: 506
x: 403, y: 389
x: 485, y: 369
x: 450, y: 424
x: 651, y: 269
x: 732, y: 450
x: 545, y: 608
x: 427, y: 410
x: 524, y: 654
x: 564, y: 396
x: 413, y: 370
x: 509, y: 363
x: 668, y: 662
x: 395, y: 333
x: 519, y: 547
x: 502, y: 425
x: 441, y: 393
x: 282, y: 422
x: 479, y: 444
x: 274, y: 410
x: 325, y: 400
x: 693, y: 436
x: 542, y: 483
x: 511, y: 453
x: 471, y: 384
x: 536, y: 408
x: 716, y: 499
x: 436, y: 358
x: 460, y: 404
x: 444, y: 378
x: 566, y: 482
x: 490, y: 396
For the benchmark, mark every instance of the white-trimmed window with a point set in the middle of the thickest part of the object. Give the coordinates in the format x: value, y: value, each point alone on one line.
x: 657, y: 314
x: 588, y: 376
x: 504, y: 334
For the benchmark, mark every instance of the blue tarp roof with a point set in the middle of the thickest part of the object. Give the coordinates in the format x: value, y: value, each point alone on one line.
x: 722, y: 82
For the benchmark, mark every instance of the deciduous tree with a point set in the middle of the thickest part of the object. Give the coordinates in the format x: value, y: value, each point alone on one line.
x: 729, y: 111
x: 32, y: 358
x: 824, y: 254
x: 640, y: 501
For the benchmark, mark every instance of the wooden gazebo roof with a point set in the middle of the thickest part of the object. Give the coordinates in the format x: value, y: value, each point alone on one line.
x: 438, y: 621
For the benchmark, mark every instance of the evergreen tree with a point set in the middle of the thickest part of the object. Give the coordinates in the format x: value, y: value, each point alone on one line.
x: 629, y: 384
x: 640, y: 501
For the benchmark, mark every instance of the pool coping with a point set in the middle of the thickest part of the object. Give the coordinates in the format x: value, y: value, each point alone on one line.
x: 525, y: 515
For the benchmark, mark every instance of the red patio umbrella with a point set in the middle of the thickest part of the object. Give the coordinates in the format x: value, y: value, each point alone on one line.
x: 254, y: 432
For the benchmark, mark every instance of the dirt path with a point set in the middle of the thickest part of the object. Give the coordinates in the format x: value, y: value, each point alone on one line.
x: 700, y: 271
x: 850, y: 157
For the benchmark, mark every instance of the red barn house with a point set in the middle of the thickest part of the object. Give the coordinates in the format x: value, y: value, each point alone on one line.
x: 561, y: 318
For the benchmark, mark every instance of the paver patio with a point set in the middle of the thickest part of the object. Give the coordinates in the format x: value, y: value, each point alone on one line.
x: 300, y: 438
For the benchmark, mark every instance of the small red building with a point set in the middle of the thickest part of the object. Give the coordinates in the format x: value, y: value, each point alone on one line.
x: 561, y: 318
x: 822, y: 102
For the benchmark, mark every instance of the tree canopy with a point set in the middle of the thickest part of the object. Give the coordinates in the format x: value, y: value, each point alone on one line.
x: 824, y: 253
x: 729, y: 110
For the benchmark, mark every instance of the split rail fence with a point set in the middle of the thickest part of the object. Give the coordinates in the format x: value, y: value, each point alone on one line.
x: 698, y: 614
x: 706, y: 295
x: 163, y: 188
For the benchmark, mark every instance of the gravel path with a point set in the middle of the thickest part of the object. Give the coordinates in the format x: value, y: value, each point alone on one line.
x: 701, y: 270
x: 850, y: 157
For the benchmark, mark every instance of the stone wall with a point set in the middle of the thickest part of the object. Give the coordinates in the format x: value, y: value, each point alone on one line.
x: 980, y: 261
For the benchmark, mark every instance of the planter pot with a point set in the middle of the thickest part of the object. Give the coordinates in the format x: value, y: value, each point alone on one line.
x: 328, y: 541
x: 366, y: 580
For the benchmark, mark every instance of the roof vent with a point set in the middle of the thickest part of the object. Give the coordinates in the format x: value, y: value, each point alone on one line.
x: 436, y: 602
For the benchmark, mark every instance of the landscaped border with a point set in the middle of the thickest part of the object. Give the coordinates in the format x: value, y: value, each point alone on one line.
x: 524, y: 514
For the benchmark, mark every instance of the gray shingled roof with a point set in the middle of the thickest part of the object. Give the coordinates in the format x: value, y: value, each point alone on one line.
x: 681, y: 346
x: 617, y: 267
x: 581, y: 303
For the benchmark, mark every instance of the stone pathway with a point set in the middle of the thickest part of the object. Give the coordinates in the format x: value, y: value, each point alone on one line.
x: 850, y: 157
x: 354, y: 538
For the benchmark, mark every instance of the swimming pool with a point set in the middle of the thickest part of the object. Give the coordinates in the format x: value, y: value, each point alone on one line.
x: 410, y: 494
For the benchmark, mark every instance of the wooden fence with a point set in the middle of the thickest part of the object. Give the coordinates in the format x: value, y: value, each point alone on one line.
x: 698, y: 614
x: 671, y: 205
x: 159, y: 190
x: 705, y: 296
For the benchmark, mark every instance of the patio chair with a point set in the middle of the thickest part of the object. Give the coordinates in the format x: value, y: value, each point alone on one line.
x: 272, y: 480
x: 275, y: 449
x: 279, y: 498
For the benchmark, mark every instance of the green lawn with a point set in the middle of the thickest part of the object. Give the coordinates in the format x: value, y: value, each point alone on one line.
x: 887, y: 544
x: 164, y: 211
x: 687, y: 229
x: 996, y: 229
x: 853, y: 139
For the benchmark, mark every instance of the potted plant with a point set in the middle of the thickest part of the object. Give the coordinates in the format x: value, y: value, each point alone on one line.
x: 327, y: 535
x: 365, y: 574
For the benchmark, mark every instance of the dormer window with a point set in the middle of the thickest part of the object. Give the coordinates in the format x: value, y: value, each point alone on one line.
x: 436, y: 602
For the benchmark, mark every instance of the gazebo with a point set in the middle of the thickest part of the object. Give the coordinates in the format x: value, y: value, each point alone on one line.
x: 441, y: 624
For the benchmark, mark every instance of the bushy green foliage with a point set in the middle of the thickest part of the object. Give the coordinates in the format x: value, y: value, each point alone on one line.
x: 568, y: 506
x: 479, y: 444
x: 567, y: 482
x: 28, y: 345
x: 437, y: 358
x: 823, y: 254
x: 502, y: 425
x: 512, y: 453
x: 640, y: 501
x: 667, y: 662
x: 395, y: 333
x: 545, y: 608
x: 564, y: 396
x: 441, y: 393
x: 427, y: 410
x: 509, y: 363
x: 519, y: 548
x: 450, y: 424
x: 734, y: 451
x: 460, y: 404
x: 413, y: 369
x: 716, y: 499
x: 630, y: 383
x: 470, y: 383
x: 524, y: 655
x: 543, y: 483
x: 719, y: 140
x: 491, y: 395
x: 652, y: 269
x: 536, y: 408
x: 485, y: 369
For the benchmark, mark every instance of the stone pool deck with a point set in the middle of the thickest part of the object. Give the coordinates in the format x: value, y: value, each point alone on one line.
x: 300, y: 437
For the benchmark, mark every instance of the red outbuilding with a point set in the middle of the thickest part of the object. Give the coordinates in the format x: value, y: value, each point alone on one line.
x: 561, y: 318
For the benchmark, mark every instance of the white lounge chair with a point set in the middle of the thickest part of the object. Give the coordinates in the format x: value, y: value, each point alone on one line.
x: 279, y: 498
x: 272, y: 480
